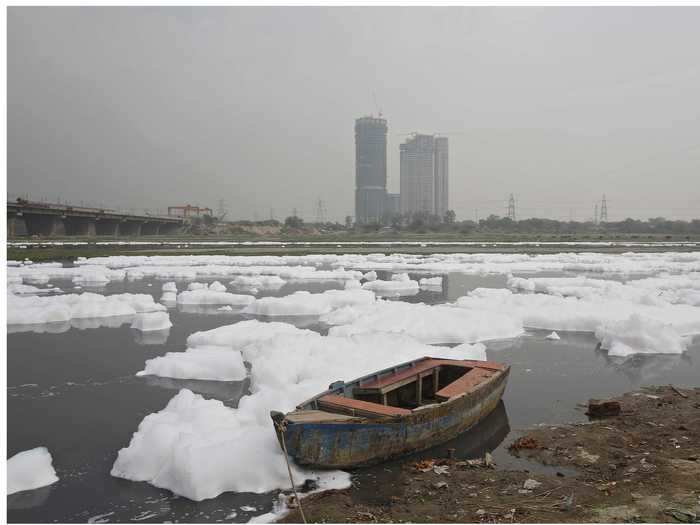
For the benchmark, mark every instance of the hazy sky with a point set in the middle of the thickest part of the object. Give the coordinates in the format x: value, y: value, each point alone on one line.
x: 150, y: 107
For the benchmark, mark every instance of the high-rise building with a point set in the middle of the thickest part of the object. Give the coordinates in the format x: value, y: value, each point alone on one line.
x: 370, y: 169
x: 392, y: 206
x: 441, y: 176
x: 424, y: 175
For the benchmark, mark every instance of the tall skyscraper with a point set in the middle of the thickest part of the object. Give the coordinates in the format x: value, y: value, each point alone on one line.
x: 424, y: 175
x: 370, y: 169
x: 441, y: 176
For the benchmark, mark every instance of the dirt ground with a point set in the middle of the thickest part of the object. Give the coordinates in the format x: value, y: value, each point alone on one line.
x: 640, y: 466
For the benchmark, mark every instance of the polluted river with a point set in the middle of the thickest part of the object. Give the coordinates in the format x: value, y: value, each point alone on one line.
x: 150, y: 414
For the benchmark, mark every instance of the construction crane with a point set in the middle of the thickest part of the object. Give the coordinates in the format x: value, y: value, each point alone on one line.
x: 379, y: 110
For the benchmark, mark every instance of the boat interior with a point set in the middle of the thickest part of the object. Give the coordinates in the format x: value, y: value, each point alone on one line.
x: 398, y: 391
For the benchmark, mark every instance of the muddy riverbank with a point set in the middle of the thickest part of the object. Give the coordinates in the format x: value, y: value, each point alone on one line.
x: 640, y: 466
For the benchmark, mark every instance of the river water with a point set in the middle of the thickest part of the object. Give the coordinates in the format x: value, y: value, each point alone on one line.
x: 75, y: 392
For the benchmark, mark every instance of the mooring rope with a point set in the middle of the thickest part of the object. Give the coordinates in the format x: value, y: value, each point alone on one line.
x: 281, y: 428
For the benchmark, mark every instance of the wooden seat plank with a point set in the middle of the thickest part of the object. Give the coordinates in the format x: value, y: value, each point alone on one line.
x: 425, y: 366
x: 317, y: 416
x: 355, y: 406
x: 464, y: 384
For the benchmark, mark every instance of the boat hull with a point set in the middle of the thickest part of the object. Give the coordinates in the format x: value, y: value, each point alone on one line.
x: 347, y: 445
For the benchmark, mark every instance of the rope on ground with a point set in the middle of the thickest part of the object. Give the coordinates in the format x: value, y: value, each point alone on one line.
x: 281, y: 428
x: 678, y: 392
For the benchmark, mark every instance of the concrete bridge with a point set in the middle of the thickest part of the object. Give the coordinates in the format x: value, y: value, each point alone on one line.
x: 27, y: 218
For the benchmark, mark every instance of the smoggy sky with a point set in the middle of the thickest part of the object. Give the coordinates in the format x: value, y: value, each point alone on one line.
x: 150, y: 107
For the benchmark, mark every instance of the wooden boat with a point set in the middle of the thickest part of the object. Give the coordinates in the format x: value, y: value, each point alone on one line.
x: 407, y: 408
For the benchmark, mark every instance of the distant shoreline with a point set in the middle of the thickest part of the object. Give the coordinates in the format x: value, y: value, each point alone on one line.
x: 68, y: 249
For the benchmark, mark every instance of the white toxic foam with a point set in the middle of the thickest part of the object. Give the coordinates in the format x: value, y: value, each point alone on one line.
x: 212, y: 363
x: 392, y: 288
x: 151, y: 321
x: 430, y: 282
x: 30, y: 470
x: 61, y: 308
x: 169, y: 298
x: 428, y: 324
x: 200, y: 448
x: 306, y: 303
x: 212, y: 294
x: 170, y: 286
x: 555, y: 312
x: 553, y: 336
x: 261, y: 282
x: 639, y: 335
x: 216, y: 286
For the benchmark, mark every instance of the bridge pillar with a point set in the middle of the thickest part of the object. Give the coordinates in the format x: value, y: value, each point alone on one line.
x: 169, y: 229
x: 150, y: 228
x: 107, y: 227
x: 82, y: 226
x: 130, y: 228
x: 44, y: 225
x: 16, y: 226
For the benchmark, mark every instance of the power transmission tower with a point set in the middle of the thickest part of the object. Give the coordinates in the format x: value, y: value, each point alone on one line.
x: 511, y: 207
x: 595, y: 214
x: 272, y: 214
x: 320, y: 211
x: 221, y: 211
x: 294, y: 212
x: 604, y: 210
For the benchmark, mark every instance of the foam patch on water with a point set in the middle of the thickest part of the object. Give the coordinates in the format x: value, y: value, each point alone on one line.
x: 639, y: 335
x: 553, y: 312
x: 200, y: 448
x: 212, y: 363
x: 215, y: 293
x: 428, y: 324
x: 151, y: 322
x: 260, y: 282
x: 30, y: 470
x: 35, y: 310
x: 395, y: 287
x: 304, y: 303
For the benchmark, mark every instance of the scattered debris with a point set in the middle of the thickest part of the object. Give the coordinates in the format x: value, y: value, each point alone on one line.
x: 567, y: 502
x: 605, y: 408
x: 611, y: 470
x: 441, y: 469
x: 531, y: 484
x: 524, y: 442
x: 586, y: 458
x: 309, y: 485
x: 682, y: 515
x: 425, y: 465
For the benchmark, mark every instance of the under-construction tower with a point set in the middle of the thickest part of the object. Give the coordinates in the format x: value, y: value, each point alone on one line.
x: 604, y: 210
x: 511, y: 207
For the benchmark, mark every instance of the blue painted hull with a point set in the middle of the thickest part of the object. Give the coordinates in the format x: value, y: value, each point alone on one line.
x: 349, y: 445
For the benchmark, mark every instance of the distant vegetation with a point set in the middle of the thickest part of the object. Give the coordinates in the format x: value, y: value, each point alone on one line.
x: 423, y: 223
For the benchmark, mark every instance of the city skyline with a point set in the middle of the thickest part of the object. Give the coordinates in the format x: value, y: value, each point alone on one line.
x: 554, y: 105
